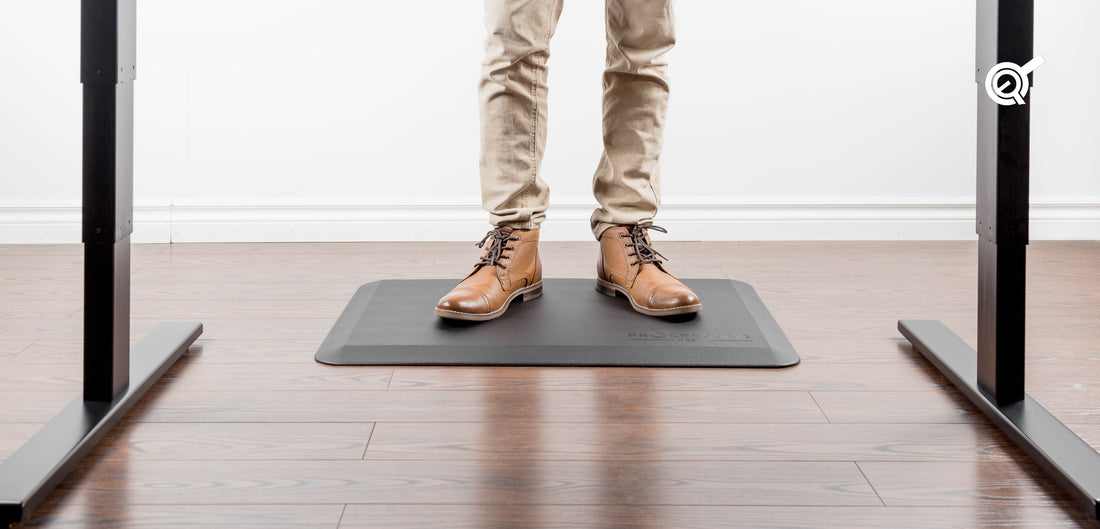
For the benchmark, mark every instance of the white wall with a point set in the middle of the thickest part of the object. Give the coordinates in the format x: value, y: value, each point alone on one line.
x: 353, y: 120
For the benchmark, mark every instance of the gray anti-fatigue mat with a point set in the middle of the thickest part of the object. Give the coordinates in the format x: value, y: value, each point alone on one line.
x: 391, y: 323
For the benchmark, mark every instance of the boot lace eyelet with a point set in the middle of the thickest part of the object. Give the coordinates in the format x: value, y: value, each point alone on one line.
x: 498, y: 244
x: 643, y: 247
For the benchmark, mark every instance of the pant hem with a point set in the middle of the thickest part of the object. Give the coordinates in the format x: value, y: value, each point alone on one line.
x: 519, y: 225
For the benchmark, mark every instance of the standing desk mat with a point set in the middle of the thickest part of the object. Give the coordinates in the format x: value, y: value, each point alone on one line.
x: 391, y: 322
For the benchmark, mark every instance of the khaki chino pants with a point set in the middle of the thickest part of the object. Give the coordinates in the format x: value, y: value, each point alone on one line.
x: 512, y: 94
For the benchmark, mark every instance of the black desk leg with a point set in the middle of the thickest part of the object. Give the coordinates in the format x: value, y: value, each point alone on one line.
x: 993, y: 376
x: 115, y: 377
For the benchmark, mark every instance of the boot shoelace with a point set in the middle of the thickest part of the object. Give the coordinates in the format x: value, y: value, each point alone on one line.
x: 639, y: 240
x: 495, y: 252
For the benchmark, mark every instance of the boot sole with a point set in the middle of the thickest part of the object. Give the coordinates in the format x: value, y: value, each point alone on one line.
x: 611, y: 289
x: 527, y: 293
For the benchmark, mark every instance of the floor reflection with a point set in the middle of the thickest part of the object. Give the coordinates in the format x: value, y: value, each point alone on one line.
x: 78, y: 504
x: 630, y: 483
x: 515, y: 437
x: 618, y: 451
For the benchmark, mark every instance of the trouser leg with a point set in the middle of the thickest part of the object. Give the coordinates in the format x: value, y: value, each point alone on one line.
x: 635, y: 101
x: 512, y: 96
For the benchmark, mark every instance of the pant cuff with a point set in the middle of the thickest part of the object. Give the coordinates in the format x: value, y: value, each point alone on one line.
x: 520, y: 225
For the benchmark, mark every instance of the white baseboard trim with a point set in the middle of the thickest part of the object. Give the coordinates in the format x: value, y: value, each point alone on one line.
x: 701, y: 219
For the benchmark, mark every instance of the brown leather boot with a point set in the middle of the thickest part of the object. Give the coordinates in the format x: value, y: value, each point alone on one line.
x: 509, y: 269
x: 628, y: 264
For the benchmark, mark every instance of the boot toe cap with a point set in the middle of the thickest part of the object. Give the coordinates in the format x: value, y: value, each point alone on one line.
x: 467, y: 301
x: 672, y: 296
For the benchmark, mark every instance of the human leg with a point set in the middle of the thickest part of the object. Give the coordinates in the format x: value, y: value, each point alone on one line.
x: 512, y: 98
x: 626, y: 182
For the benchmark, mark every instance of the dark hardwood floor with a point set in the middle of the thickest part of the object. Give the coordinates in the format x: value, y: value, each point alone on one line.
x: 248, y: 431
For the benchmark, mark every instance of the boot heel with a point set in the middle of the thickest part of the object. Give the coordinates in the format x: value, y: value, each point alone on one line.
x: 532, y: 294
x: 604, y: 289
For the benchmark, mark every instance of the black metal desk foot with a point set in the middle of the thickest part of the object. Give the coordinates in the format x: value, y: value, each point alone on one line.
x: 1059, y: 451
x: 29, y: 475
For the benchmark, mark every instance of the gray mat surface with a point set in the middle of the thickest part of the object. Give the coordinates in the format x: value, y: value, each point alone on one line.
x: 391, y: 323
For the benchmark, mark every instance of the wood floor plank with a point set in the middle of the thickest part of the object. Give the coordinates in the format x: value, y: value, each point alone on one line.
x: 15, y: 435
x: 40, y: 308
x: 358, y: 516
x: 39, y: 275
x: 71, y: 266
x: 239, y: 351
x: 275, y: 292
x: 303, y: 376
x: 33, y: 406
x: 809, y: 275
x: 137, y: 441
x: 1069, y: 351
x: 118, y: 513
x: 172, y: 289
x: 10, y: 348
x: 71, y: 329
x: 288, y: 328
x: 882, y: 327
x: 877, y: 309
x: 900, y: 407
x: 1072, y: 293
x: 478, y: 482
x: 962, y: 483
x: 949, y: 406
x: 54, y: 349
x: 73, y: 250
x: 1080, y: 375
x: 194, y: 375
x: 855, y: 351
x: 840, y: 288
x: 805, y: 376
x: 335, y: 249
x: 244, y: 351
x: 190, y: 308
x: 272, y: 275
x: 19, y: 292
x: 1089, y: 432
x: 1070, y: 406
x: 320, y: 262
x: 18, y: 376
x: 166, y: 404
x: 843, y: 293
x: 683, y: 442
x: 908, y: 249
